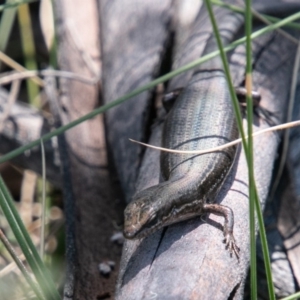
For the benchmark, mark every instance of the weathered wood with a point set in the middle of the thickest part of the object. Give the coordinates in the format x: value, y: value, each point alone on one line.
x: 188, y: 260
x: 289, y: 210
x: 282, y: 271
x: 134, y: 36
x: 91, y: 206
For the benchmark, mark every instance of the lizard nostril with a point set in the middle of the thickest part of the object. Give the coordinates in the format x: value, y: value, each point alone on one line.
x: 128, y: 235
x: 129, y: 231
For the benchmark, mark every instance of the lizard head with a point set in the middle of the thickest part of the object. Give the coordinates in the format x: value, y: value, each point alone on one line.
x: 140, y: 216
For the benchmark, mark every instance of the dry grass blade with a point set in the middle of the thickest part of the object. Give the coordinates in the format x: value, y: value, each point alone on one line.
x: 16, y: 66
x: 7, y: 78
x: 27, y: 196
x: 235, y: 142
x: 20, y: 264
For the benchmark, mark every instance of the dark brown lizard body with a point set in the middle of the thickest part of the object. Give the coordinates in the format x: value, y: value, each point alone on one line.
x: 201, y: 118
x: 196, y: 121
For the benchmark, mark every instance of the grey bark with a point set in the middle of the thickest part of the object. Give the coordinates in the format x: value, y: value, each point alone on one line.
x: 23, y: 125
x: 90, y: 203
x: 134, y: 36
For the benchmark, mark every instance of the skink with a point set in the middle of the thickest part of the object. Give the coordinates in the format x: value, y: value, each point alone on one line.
x: 201, y: 118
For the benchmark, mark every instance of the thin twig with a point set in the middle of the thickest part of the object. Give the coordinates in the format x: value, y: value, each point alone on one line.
x: 16, y: 66
x: 28, y: 74
x: 235, y: 142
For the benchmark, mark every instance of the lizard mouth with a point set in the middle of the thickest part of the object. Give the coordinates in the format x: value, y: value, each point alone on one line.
x: 144, y: 231
x: 137, y: 232
x: 130, y: 232
x: 148, y: 231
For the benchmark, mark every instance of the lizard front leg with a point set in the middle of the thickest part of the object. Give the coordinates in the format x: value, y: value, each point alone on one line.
x: 227, y: 213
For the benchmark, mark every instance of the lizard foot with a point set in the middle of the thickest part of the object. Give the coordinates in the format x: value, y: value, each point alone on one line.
x: 231, y: 245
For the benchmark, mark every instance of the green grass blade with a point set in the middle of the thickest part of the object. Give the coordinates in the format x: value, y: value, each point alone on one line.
x: 12, y: 4
x: 6, y: 24
x: 265, y: 248
x: 10, y: 216
x: 20, y: 265
x: 292, y: 297
x: 43, y: 204
x: 42, y: 275
x: 241, y: 10
x: 29, y: 54
x: 249, y: 152
x: 253, y: 198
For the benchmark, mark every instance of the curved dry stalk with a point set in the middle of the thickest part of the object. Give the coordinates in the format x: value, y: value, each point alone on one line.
x: 14, y: 65
x: 235, y: 142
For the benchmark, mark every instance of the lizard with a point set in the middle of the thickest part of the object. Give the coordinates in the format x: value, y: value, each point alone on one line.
x: 191, y: 181
x: 202, y: 117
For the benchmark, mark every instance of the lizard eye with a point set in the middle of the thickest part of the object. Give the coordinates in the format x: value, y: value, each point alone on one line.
x: 152, y: 221
x: 174, y: 211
